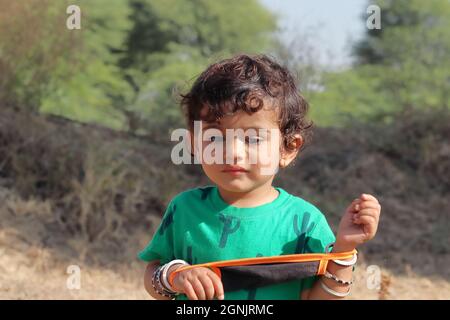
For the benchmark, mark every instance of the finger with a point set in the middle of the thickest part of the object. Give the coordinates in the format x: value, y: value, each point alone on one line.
x: 368, y: 212
x: 366, y: 196
x: 198, y: 287
x: 208, y: 286
x: 365, y: 220
x: 369, y: 204
x: 189, y: 291
x: 370, y: 226
x: 353, y: 206
x: 218, y: 286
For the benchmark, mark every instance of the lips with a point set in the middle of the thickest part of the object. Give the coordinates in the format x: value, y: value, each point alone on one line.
x: 234, y: 169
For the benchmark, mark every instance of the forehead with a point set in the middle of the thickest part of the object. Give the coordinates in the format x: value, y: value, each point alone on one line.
x: 265, y: 118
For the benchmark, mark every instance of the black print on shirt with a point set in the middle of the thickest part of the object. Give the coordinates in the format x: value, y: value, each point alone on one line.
x: 167, y: 221
x: 189, y: 258
x: 228, y: 228
x: 205, y: 192
x: 302, y: 239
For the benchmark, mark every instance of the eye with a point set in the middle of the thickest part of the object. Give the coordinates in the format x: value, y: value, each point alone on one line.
x: 215, y: 139
x: 253, y: 140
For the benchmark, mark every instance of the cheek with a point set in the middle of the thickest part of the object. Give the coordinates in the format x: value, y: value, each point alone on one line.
x: 269, y: 153
x: 210, y: 169
x: 213, y: 173
x: 268, y: 158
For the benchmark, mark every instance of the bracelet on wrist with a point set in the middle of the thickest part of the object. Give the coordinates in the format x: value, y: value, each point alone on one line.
x: 343, y: 263
x: 157, y: 285
x: 333, y: 292
x: 164, y: 276
x: 335, y: 278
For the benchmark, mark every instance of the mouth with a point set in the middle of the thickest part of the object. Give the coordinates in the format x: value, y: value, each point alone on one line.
x: 234, y: 169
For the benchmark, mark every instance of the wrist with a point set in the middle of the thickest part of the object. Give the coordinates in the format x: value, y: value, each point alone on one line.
x: 172, y: 269
x: 342, y: 247
x: 157, y: 284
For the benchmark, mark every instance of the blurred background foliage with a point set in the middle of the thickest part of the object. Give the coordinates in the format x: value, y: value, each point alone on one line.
x: 122, y: 67
x: 403, y: 65
x: 125, y: 68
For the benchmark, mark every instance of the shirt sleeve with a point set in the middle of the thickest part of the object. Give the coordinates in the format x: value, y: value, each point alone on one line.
x: 320, y: 236
x: 161, y: 246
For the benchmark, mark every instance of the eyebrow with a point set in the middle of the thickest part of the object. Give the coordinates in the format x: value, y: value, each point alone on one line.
x: 216, y: 126
x: 211, y: 125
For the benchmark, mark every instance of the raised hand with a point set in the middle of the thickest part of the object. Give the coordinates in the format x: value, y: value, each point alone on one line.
x: 359, y: 223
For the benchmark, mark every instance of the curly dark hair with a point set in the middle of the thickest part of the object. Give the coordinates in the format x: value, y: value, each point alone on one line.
x: 245, y: 82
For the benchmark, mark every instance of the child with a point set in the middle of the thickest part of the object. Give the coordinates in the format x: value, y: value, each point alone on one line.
x: 241, y: 215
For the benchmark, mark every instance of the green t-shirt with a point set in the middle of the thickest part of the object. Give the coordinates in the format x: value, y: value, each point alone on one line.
x: 199, y: 226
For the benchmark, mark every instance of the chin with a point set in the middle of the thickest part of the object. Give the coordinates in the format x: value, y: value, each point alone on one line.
x: 235, y: 186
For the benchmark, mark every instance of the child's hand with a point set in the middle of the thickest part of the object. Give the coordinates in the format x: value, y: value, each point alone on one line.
x: 199, y: 284
x: 359, y: 223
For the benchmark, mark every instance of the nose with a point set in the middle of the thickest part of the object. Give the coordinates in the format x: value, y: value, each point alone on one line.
x: 237, y: 151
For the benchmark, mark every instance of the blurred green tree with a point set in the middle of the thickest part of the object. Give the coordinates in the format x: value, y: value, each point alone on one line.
x: 31, y: 50
x: 93, y: 76
x: 412, y: 52
x: 135, y: 54
x: 403, y: 65
x: 172, y: 41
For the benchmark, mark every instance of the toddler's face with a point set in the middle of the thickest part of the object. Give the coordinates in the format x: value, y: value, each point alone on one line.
x: 240, y: 152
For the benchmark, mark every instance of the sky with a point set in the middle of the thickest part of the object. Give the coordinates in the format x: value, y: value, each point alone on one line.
x: 332, y: 25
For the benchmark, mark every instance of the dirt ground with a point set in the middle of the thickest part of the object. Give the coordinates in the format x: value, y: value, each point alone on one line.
x: 33, y: 275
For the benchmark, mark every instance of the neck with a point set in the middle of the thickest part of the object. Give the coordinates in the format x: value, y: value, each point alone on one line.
x: 263, y: 194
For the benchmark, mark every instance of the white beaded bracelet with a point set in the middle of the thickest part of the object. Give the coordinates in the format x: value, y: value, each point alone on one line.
x: 333, y: 277
x: 157, y: 285
x: 332, y: 292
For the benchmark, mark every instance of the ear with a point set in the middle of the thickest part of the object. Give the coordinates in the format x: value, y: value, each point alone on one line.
x: 288, y: 155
